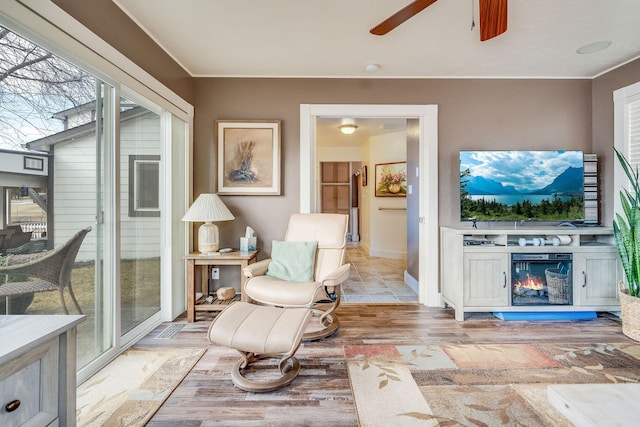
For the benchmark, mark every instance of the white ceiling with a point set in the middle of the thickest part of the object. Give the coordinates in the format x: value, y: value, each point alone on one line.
x: 330, y: 38
x: 328, y: 134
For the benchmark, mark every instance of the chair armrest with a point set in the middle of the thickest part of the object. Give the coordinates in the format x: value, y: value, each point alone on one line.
x: 256, y: 269
x: 338, y: 276
x: 15, y: 259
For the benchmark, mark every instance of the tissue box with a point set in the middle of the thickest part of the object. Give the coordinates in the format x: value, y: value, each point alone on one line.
x: 248, y: 244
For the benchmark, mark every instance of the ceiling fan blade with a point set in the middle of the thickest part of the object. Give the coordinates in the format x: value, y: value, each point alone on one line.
x: 399, y: 17
x: 493, y: 18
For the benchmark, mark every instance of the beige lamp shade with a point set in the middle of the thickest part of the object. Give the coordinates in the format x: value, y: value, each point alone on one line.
x: 208, y: 208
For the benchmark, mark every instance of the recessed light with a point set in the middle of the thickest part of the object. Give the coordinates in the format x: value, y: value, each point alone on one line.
x: 372, y: 68
x: 594, y: 47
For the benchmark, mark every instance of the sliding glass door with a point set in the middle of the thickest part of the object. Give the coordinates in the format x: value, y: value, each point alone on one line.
x: 99, y: 156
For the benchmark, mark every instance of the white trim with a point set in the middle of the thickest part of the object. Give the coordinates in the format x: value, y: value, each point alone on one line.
x: 166, y: 217
x: 428, y: 204
x: 174, y: 243
x: 401, y: 77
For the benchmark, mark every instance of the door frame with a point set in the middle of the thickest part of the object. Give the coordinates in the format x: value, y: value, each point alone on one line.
x: 428, y: 281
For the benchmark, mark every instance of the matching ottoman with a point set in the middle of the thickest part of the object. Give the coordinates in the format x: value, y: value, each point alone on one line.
x: 260, y: 332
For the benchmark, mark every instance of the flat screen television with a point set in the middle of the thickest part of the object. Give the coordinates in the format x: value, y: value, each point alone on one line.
x: 513, y: 185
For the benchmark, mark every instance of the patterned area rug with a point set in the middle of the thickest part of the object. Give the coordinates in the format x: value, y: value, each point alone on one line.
x: 129, y: 390
x: 477, y: 384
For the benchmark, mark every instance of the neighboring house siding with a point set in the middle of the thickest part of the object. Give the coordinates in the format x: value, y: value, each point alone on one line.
x: 75, y: 190
x: 139, y: 236
x: 74, y: 193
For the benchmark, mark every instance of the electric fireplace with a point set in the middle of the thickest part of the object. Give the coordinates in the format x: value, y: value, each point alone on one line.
x: 541, y: 279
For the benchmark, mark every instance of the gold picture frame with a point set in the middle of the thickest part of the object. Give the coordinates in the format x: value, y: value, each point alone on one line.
x: 391, y: 179
x: 248, y: 157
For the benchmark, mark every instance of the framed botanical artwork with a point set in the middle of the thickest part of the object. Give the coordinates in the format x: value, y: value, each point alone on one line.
x: 248, y: 157
x: 391, y: 179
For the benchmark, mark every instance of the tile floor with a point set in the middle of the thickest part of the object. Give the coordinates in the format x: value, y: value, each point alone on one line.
x: 375, y: 279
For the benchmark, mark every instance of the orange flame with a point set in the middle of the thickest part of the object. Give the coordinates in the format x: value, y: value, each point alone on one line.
x: 531, y: 282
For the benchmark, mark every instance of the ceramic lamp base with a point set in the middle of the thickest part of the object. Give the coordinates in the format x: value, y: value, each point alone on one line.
x: 208, y: 238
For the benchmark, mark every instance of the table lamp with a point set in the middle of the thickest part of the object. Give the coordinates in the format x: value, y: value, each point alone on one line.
x: 208, y: 208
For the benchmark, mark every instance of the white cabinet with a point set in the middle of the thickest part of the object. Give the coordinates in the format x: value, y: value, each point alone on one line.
x: 596, y: 276
x: 485, y: 280
x: 27, y: 378
x: 37, y: 370
x: 476, y: 267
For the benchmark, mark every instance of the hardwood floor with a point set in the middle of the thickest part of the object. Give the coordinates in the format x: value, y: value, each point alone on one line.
x: 321, y: 395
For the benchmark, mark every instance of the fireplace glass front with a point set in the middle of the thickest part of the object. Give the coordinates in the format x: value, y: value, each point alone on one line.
x: 541, y: 279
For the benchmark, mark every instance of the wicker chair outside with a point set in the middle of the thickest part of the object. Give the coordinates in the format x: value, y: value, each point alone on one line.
x: 43, y: 272
x: 19, y: 239
x: 5, y: 238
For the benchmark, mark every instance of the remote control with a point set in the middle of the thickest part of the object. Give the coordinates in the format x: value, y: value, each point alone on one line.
x: 224, y: 250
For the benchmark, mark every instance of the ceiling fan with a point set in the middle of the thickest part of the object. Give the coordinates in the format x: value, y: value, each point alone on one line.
x: 493, y: 17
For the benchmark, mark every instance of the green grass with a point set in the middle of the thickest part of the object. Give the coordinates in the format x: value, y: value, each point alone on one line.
x: 140, y: 281
x: 140, y: 290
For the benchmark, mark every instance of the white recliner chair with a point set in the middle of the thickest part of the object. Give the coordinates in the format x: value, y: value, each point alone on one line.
x: 321, y: 291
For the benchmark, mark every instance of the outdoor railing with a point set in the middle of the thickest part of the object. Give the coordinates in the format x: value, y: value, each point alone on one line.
x: 38, y: 229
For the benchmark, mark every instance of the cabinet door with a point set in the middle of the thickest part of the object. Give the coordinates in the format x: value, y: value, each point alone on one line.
x: 30, y: 383
x: 597, y: 276
x: 335, y: 172
x: 486, y: 279
x: 335, y: 199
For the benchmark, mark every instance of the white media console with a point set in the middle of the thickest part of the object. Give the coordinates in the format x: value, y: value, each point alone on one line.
x: 480, y: 273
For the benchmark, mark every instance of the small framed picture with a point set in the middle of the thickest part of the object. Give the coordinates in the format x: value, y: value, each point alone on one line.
x: 248, y: 157
x: 364, y: 176
x: 391, y: 179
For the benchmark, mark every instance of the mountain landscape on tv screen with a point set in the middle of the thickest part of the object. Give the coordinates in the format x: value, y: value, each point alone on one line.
x: 521, y: 185
x: 568, y: 182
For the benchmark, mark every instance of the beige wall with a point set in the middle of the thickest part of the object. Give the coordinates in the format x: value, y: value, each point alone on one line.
x: 388, y: 228
x: 472, y: 114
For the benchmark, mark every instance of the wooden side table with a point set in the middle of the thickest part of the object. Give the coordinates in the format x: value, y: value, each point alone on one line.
x: 197, y: 260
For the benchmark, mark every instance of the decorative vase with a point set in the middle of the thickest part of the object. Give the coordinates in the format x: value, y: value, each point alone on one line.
x: 393, y: 188
x: 630, y: 314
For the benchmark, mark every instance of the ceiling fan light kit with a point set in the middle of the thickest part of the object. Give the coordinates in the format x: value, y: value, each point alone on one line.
x: 493, y: 17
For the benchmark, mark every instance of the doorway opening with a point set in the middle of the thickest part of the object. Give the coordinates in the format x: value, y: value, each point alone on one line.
x: 426, y: 173
x: 378, y: 235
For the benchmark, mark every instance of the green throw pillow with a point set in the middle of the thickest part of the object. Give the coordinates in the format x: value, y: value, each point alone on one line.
x: 292, y: 261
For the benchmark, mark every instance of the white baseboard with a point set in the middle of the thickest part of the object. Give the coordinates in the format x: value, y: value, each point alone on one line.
x: 411, y: 282
x: 388, y: 254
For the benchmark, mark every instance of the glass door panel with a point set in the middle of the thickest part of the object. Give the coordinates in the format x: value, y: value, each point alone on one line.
x: 51, y: 127
x: 140, y: 241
